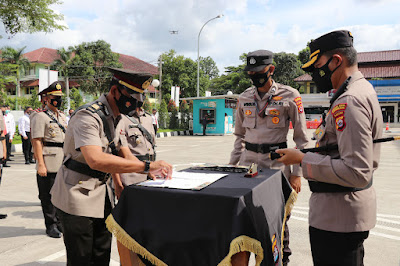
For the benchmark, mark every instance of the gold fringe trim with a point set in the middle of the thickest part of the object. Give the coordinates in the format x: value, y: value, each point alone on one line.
x: 244, y: 243
x: 130, y: 243
x: 288, y: 209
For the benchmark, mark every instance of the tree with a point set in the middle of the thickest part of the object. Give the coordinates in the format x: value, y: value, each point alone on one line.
x: 304, y: 55
x: 76, y: 98
x: 89, y: 66
x: 235, y: 79
x: 29, y: 16
x: 182, y: 72
x: 61, y: 64
x: 163, y: 115
x: 14, y: 56
x: 287, y: 68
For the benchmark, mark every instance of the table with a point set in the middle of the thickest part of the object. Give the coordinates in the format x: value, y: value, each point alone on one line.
x: 206, y: 227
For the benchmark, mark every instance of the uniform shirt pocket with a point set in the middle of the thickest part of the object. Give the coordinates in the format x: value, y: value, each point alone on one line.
x: 249, y: 118
x: 83, y: 181
x: 133, y: 135
x: 276, y: 116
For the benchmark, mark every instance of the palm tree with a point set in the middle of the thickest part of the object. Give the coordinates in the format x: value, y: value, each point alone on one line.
x: 61, y: 64
x: 14, y: 56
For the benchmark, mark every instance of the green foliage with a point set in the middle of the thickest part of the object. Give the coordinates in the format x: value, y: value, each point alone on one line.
x: 287, y: 68
x: 304, y: 55
x: 184, y: 108
x: 235, y: 79
x: 89, y: 66
x: 76, y: 98
x: 147, y: 106
x: 174, y: 121
x: 171, y: 105
x: 163, y: 116
x: 180, y: 71
x: 29, y: 16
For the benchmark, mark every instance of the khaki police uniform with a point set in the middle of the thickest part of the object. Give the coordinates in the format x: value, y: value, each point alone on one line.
x: 285, y: 106
x: 138, y: 144
x: 84, y: 200
x: 353, y: 122
x: 251, y: 129
x: 52, y: 138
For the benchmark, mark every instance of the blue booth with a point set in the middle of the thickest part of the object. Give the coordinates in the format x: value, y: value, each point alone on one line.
x: 217, y: 111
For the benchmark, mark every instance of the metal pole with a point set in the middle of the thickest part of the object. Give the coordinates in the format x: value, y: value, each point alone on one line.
x: 198, y: 54
x: 160, y: 86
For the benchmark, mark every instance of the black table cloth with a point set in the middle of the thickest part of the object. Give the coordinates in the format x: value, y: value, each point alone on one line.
x: 206, y: 227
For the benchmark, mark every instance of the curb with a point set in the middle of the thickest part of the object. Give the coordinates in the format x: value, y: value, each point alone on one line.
x: 174, y: 133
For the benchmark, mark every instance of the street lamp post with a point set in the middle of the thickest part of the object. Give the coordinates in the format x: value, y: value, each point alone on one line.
x: 198, y: 54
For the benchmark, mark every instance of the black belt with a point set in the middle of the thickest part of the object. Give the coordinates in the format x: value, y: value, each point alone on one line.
x: 86, y: 170
x: 53, y: 144
x: 147, y: 157
x: 265, y: 148
x: 321, y: 187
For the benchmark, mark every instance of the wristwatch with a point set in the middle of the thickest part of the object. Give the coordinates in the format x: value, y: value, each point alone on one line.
x: 146, y: 167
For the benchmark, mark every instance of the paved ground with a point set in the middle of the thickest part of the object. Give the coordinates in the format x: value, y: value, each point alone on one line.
x: 23, y: 240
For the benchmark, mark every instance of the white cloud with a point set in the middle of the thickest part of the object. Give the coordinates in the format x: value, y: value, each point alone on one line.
x: 141, y: 28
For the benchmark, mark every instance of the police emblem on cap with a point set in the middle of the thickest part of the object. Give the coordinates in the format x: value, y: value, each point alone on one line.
x: 252, y: 61
x: 58, y: 86
x: 322, y: 73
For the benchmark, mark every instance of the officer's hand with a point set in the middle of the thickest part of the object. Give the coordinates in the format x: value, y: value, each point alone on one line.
x: 25, y: 137
x: 290, y: 156
x: 42, y: 170
x: 118, y: 190
x: 295, y: 182
x: 160, y: 168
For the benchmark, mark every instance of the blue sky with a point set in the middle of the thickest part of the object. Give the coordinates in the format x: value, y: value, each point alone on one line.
x: 141, y: 28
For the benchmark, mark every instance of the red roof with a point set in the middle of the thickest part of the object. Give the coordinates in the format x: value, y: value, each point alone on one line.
x: 42, y: 55
x: 35, y: 83
x: 151, y: 89
x: 378, y: 56
x: 48, y: 55
x: 135, y: 64
x: 381, y: 71
x: 303, y: 78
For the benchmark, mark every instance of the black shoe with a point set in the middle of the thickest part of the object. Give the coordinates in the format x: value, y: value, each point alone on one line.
x: 53, y: 232
x: 27, y: 162
x: 32, y: 161
x: 11, y: 155
x: 6, y: 165
x: 3, y: 216
x: 59, y: 227
x: 9, y: 160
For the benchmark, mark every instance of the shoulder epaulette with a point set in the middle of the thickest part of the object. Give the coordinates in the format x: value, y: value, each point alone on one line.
x: 94, y: 107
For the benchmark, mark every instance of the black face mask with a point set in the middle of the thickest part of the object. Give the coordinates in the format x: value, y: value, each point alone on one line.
x: 259, y: 80
x: 322, y: 77
x: 56, y: 102
x: 125, y: 104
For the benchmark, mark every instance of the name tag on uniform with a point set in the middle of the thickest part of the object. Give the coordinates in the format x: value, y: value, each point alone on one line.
x: 249, y: 104
x: 277, y: 103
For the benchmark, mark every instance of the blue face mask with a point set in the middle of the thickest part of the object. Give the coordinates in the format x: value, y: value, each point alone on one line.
x: 7, y: 111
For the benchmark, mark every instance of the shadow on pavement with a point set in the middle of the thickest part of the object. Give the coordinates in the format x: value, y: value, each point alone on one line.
x: 7, y: 204
x: 29, y: 215
x: 9, y: 231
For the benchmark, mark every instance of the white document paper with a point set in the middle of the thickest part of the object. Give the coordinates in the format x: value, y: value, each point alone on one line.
x: 184, y: 180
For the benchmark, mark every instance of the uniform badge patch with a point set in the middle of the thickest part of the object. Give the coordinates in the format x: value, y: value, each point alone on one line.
x: 277, y: 98
x: 274, y: 112
x: 247, y: 112
x: 275, y: 120
x: 299, y: 104
x: 275, y: 250
x: 338, y: 114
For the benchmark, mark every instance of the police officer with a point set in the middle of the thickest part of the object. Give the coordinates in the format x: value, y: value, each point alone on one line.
x: 262, y: 123
x: 48, y: 132
x: 81, y: 191
x: 3, y: 151
x: 343, y: 202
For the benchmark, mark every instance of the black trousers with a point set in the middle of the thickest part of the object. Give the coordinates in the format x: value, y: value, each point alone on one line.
x: 337, y: 249
x: 86, y: 239
x: 8, y: 145
x: 155, y: 128
x: 27, y: 147
x: 45, y: 183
